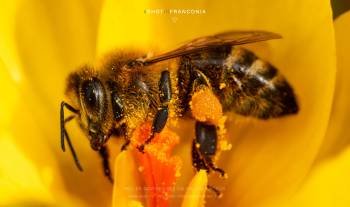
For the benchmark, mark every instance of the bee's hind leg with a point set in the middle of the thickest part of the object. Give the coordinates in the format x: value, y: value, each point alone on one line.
x: 206, y: 144
x: 203, y: 148
x: 105, y: 162
x: 161, y: 116
x: 197, y: 160
x: 206, y: 127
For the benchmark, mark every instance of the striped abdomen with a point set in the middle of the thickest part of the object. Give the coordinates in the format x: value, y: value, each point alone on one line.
x: 244, y: 83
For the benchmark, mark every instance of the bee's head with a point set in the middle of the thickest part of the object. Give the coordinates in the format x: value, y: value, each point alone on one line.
x: 88, y: 94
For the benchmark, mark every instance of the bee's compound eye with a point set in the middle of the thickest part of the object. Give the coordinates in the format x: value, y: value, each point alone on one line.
x: 93, y: 97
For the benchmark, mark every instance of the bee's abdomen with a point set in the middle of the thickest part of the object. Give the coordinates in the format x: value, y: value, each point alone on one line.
x: 255, y: 87
x: 246, y: 84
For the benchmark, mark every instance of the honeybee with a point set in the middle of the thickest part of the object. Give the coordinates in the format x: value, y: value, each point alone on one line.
x: 131, y: 88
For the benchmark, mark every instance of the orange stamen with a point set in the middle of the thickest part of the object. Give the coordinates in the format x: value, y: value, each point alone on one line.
x: 158, y: 168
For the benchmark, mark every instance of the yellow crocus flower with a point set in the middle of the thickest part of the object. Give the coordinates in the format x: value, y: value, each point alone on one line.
x: 41, y: 42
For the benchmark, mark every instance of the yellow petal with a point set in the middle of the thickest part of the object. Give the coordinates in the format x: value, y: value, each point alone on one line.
x: 134, y: 204
x: 7, y: 46
x: 39, y: 43
x: 44, y: 41
x: 20, y: 180
x: 123, y: 24
x: 338, y: 136
x: 195, y: 193
x: 25, y: 179
x: 20, y: 185
x: 8, y: 104
x: 328, y: 184
x: 126, y: 188
x: 268, y: 159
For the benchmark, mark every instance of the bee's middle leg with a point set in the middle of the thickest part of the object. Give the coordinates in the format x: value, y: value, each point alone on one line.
x: 105, y: 162
x: 161, y: 116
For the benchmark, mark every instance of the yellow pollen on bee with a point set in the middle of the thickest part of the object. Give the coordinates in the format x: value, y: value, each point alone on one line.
x: 174, y: 122
x: 224, y: 145
x: 222, y: 86
x: 206, y: 107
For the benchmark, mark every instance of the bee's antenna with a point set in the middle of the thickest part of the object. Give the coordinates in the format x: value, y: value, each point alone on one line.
x: 64, y: 128
x: 75, y: 157
x: 64, y: 133
x: 62, y: 125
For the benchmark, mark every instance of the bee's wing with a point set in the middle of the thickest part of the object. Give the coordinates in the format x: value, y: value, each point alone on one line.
x: 218, y: 40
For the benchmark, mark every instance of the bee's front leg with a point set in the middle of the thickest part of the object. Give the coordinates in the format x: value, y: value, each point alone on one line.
x: 125, y: 145
x: 162, y: 114
x: 105, y: 162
